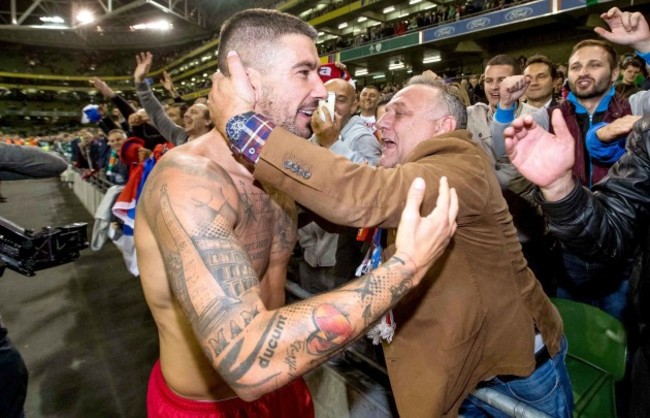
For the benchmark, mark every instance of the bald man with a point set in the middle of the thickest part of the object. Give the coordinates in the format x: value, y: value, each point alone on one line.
x: 331, y: 259
x: 350, y: 137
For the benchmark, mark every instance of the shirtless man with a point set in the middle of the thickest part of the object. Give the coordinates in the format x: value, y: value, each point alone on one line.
x: 213, y: 247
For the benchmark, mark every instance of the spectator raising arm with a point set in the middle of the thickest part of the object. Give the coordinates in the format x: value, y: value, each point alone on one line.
x: 168, y: 129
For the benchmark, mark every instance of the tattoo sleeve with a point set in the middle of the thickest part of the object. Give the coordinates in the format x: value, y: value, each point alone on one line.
x: 210, y: 273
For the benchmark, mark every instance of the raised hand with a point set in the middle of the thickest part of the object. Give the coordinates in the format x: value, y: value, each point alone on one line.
x: 543, y: 158
x: 167, y: 82
x: 626, y: 28
x: 231, y: 95
x: 144, y: 61
x: 341, y: 66
x: 420, y: 240
x: 511, y: 89
x: 138, y: 117
x: 102, y: 87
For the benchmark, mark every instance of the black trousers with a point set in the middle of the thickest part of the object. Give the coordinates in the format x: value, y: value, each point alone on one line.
x: 13, y: 379
x: 640, y: 396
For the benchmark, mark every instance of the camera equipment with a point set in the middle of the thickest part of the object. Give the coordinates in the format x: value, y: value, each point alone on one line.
x: 26, y: 250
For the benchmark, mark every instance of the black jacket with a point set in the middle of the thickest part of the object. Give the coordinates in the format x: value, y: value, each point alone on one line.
x: 610, y: 223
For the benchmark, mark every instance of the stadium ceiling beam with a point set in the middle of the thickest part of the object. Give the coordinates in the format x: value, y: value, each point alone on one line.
x: 17, y: 22
x: 187, y: 10
x: 185, y: 15
x: 25, y: 15
x: 374, y: 15
x: 107, y: 7
x: 113, y: 13
x: 331, y: 31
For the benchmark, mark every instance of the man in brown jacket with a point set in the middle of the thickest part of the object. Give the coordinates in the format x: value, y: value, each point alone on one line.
x: 479, y: 312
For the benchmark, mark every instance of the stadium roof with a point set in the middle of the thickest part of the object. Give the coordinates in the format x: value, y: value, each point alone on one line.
x: 117, y: 24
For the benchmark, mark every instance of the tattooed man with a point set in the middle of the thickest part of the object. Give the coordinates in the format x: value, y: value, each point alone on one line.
x: 480, y: 317
x: 213, y: 247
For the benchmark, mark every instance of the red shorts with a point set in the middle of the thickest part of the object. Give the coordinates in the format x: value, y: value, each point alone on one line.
x: 291, y: 401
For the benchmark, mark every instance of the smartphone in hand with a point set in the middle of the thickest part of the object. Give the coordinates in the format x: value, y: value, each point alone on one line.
x: 329, y: 104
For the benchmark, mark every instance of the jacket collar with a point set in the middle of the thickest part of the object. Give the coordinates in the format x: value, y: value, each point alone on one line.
x: 431, y: 146
x: 602, y: 105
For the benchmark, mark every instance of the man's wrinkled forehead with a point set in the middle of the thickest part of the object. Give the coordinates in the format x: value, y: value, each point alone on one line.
x: 405, y: 99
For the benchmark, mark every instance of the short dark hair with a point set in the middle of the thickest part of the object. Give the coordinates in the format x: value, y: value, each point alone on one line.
x: 503, y: 59
x: 611, y: 52
x: 251, y: 31
x: 631, y: 62
x: 543, y: 59
x: 372, y: 87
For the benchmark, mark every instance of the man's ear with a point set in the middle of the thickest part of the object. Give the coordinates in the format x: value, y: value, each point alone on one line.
x: 256, y: 81
x: 355, y: 106
x: 614, y: 75
x: 448, y: 124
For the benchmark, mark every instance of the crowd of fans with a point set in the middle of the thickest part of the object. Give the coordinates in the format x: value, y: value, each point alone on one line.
x: 59, y: 61
x: 439, y: 15
x: 122, y: 134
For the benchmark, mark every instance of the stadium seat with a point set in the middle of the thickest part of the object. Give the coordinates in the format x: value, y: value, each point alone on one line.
x: 595, y: 358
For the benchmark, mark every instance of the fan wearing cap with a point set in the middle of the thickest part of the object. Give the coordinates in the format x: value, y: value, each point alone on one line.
x: 631, y: 68
x: 129, y: 154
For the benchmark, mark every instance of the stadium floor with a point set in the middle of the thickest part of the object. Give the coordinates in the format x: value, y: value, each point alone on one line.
x: 83, y: 328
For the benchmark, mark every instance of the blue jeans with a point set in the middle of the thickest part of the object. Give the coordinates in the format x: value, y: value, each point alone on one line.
x: 547, y: 389
x: 614, y: 303
x: 596, y: 284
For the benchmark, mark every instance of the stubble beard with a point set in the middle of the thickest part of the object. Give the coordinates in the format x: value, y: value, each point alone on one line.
x: 599, y: 88
x: 277, y: 113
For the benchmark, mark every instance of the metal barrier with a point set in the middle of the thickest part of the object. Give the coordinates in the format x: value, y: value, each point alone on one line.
x: 90, y: 190
x: 510, y: 406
